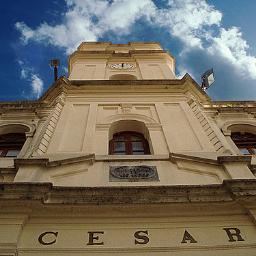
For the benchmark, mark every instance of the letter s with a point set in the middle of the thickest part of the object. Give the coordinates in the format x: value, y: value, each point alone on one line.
x: 139, y: 235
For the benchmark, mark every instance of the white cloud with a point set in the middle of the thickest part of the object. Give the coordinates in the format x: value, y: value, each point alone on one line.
x: 189, y: 20
x: 37, y: 85
x: 23, y: 74
x: 65, y: 69
x: 26, y: 32
x: 195, y: 22
x: 232, y: 47
x: 86, y: 20
x: 78, y: 22
x: 121, y: 15
x: 27, y: 73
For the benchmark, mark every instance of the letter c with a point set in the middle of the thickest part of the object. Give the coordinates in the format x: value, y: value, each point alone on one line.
x: 41, y: 238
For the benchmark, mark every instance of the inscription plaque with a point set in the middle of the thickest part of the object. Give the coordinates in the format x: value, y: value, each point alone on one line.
x: 133, y: 173
x: 185, y: 237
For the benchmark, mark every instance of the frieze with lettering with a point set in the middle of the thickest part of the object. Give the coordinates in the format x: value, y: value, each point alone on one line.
x: 96, y: 238
x: 133, y: 173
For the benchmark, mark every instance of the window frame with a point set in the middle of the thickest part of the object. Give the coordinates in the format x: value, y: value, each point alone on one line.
x: 128, y: 143
x: 245, y: 140
x: 14, y: 141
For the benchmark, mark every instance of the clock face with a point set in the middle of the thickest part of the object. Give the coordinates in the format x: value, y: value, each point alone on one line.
x: 122, y: 66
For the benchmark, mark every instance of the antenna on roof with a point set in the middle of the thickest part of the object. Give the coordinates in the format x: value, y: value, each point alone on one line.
x: 207, y: 79
x: 55, y: 63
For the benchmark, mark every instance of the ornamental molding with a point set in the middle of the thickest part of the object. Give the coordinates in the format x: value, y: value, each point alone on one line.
x: 227, y: 125
x: 243, y: 190
x: 31, y: 127
x: 129, y: 117
x: 206, y: 125
x: 126, y: 108
x: 90, y: 159
x: 230, y: 106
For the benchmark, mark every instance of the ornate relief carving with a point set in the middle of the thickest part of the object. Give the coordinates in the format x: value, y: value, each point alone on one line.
x: 206, y: 125
x: 133, y: 173
x: 50, y: 125
x: 126, y: 108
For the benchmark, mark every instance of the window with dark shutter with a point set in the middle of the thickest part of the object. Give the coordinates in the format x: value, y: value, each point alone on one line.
x: 128, y: 143
x: 11, y: 144
x: 246, y: 142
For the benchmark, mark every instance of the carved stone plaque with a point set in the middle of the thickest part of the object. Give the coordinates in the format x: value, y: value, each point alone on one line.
x: 122, y: 65
x: 133, y: 173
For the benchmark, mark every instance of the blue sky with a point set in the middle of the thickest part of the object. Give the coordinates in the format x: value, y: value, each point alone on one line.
x: 200, y: 34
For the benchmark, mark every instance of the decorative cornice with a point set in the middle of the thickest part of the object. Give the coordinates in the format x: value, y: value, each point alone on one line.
x: 107, y: 52
x: 57, y: 88
x: 47, y: 163
x: 128, y: 82
x: 185, y: 84
x: 30, y: 106
x: 62, y: 85
x: 219, y: 159
x: 149, y: 82
x: 228, y: 191
x: 91, y: 158
x: 240, y: 158
x: 173, y: 157
x: 231, y: 106
x: 44, y: 101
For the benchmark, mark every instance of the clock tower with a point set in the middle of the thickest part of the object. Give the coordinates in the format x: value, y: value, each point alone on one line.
x: 132, y: 61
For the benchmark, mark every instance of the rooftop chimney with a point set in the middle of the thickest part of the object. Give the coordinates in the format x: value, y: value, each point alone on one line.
x: 55, y: 63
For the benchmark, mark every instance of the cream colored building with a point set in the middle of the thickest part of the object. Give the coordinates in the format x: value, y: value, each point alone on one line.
x: 124, y: 158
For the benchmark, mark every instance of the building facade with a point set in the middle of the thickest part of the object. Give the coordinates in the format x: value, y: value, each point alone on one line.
x: 124, y: 158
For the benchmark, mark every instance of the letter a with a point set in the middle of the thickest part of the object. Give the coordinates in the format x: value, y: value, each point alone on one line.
x: 188, y: 237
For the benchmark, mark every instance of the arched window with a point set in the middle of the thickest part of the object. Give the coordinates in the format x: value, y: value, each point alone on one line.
x: 11, y: 144
x: 128, y: 143
x: 246, y: 142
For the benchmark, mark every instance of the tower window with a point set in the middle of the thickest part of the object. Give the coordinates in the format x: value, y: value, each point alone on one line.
x: 128, y: 143
x: 11, y: 144
x: 246, y: 142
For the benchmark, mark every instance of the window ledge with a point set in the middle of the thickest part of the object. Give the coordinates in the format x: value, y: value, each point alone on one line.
x: 131, y: 157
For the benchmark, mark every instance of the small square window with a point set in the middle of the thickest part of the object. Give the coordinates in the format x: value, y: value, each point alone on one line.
x: 244, y: 151
x: 12, y: 153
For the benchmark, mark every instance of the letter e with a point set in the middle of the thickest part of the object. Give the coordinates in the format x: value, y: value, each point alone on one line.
x: 93, y: 238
